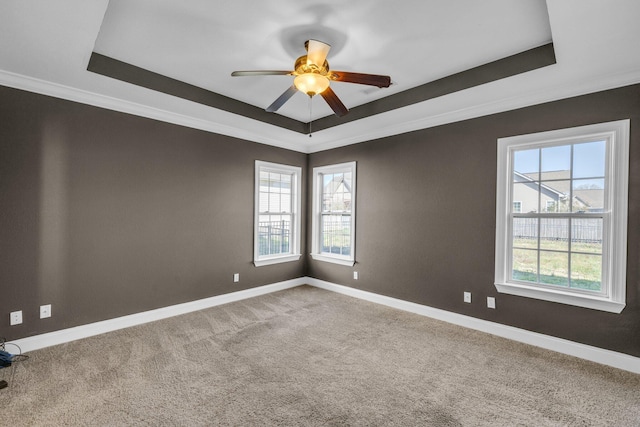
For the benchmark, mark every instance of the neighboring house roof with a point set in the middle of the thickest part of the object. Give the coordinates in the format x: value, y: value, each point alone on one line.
x: 545, y: 188
x: 591, y: 197
x: 335, y: 183
x: 558, y: 183
x: 553, y: 175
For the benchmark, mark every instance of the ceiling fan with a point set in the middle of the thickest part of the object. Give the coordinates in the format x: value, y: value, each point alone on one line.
x: 313, y: 76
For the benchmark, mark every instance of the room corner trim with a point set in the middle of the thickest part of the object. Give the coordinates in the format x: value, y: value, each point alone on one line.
x: 571, y: 348
x: 84, y: 331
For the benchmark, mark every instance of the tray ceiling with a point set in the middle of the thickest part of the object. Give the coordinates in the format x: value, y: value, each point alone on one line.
x: 46, y: 47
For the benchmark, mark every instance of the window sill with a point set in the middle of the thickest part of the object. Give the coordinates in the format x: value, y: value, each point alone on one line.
x: 334, y: 260
x: 276, y: 260
x: 587, y: 301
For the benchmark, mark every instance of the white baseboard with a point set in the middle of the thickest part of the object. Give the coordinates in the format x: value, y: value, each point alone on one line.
x: 91, y: 329
x: 583, y: 351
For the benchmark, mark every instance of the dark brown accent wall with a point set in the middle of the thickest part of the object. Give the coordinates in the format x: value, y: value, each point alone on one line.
x: 105, y: 214
x: 425, y: 228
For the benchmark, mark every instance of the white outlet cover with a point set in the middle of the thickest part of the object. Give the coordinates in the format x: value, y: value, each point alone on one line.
x: 15, y: 318
x: 236, y: 277
x: 467, y: 297
x: 45, y: 311
x: 491, y: 302
x: 355, y: 275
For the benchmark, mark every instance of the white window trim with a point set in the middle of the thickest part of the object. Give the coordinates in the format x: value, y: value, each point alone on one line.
x: 296, y: 188
x: 614, y: 247
x: 317, y: 208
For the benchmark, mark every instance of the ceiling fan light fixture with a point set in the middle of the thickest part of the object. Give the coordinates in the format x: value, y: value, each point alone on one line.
x: 311, y: 83
x: 312, y: 77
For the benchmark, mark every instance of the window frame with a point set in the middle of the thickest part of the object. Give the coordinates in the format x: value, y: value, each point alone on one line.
x: 614, y: 256
x: 316, y: 239
x: 294, y: 253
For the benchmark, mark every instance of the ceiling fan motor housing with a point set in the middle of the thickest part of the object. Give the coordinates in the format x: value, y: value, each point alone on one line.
x: 303, y: 66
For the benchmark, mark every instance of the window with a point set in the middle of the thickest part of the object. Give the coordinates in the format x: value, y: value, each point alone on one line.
x: 277, y: 213
x: 517, y: 206
x: 567, y: 242
x: 333, y: 223
x: 550, y: 206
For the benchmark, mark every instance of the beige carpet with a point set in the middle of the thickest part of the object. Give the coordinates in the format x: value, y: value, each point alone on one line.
x: 311, y: 357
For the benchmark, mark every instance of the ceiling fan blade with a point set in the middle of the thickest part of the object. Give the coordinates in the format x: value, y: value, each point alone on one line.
x: 317, y: 52
x: 282, y: 99
x: 360, y: 78
x: 261, y: 73
x: 334, y: 102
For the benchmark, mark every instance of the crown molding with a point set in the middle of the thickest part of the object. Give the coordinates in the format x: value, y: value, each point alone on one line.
x: 534, y: 97
x: 56, y: 90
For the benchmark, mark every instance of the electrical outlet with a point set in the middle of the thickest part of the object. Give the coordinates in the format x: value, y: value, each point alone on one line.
x: 236, y: 277
x: 491, y: 302
x: 15, y: 317
x: 355, y: 275
x: 467, y: 297
x: 45, y: 311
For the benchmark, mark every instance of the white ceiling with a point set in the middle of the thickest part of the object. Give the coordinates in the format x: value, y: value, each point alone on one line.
x: 202, y: 43
x: 45, y: 47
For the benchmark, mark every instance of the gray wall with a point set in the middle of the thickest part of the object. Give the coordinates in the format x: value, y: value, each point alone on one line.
x: 425, y: 228
x: 106, y: 214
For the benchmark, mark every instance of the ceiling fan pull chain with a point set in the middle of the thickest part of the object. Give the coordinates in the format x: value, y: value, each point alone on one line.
x: 310, y: 110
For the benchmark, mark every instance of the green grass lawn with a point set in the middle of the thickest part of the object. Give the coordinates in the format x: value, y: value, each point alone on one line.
x: 588, y: 285
x: 586, y: 266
